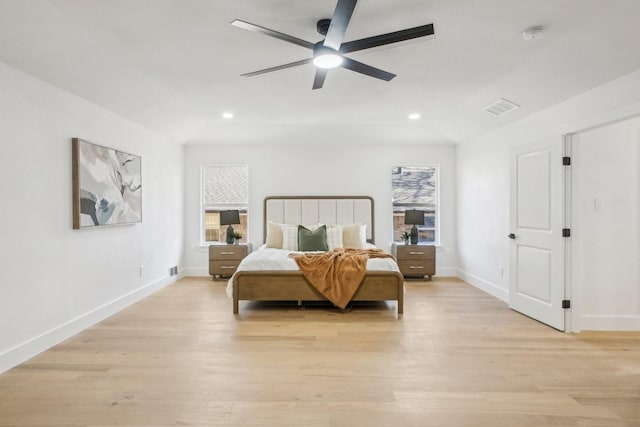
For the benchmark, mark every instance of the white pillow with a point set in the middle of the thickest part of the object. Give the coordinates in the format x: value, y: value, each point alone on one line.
x: 289, y: 237
x: 354, y: 236
x: 334, y: 237
x: 274, y: 235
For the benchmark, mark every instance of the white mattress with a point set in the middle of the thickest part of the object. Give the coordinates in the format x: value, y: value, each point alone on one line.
x: 278, y: 259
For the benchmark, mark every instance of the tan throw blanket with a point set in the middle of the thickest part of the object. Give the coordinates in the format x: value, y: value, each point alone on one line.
x: 337, y: 274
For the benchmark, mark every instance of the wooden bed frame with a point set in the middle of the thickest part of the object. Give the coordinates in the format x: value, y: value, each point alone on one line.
x: 286, y: 285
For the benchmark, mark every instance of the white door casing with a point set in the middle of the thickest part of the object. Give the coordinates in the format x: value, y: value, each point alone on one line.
x: 536, y: 253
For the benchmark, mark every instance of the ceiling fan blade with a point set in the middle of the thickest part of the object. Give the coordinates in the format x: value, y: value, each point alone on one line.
x: 278, y: 68
x: 278, y: 35
x: 339, y: 22
x: 368, y: 70
x: 321, y: 74
x: 382, y: 39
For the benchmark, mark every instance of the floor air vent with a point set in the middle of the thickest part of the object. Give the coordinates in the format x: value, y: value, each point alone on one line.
x: 501, y: 107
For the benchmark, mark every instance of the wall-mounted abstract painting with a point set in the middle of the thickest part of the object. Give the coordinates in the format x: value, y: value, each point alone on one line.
x: 107, y: 186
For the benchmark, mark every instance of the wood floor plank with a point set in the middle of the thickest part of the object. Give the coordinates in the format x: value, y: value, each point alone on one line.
x: 458, y: 357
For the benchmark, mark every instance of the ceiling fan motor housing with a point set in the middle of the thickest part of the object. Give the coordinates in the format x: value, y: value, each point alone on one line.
x: 323, y: 26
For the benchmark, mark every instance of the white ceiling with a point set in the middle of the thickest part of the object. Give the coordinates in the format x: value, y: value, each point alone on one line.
x: 174, y: 65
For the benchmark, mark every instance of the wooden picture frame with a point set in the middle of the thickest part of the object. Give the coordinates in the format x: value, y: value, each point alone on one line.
x: 107, y: 185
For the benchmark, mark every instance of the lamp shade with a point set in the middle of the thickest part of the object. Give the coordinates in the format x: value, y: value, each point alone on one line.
x: 229, y: 217
x: 414, y: 217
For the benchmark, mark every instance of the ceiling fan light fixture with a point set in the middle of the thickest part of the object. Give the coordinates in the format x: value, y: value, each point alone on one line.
x: 327, y: 60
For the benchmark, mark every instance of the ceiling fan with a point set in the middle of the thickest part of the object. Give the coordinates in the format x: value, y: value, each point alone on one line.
x: 330, y: 52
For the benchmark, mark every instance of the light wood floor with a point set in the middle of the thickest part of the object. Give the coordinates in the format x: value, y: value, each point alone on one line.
x: 457, y: 357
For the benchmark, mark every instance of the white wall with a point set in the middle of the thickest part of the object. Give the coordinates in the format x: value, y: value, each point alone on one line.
x: 483, y: 215
x: 606, y: 217
x: 282, y: 169
x: 55, y: 281
x: 483, y: 177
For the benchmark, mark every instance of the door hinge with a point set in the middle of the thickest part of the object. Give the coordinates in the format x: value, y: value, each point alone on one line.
x: 566, y: 303
x: 566, y: 232
x: 566, y: 161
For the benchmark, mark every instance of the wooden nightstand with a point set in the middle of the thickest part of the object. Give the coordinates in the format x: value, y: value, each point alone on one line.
x: 224, y: 259
x: 415, y: 260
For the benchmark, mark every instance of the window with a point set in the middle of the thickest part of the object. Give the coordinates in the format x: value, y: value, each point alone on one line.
x: 223, y: 187
x: 415, y: 187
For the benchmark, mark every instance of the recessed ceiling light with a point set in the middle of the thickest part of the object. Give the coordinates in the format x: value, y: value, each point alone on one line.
x: 414, y: 116
x: 227, y: 115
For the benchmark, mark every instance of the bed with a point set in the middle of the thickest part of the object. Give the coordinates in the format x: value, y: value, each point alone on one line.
x: 268, y: 284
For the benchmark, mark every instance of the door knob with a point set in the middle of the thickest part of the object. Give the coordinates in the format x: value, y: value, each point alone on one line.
x: 512, y: 236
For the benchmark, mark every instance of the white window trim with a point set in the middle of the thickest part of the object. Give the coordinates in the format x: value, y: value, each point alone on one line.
x: 203, y: 242
x: 436, y: 240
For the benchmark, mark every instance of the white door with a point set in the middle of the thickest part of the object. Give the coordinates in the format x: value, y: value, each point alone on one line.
x: 536, y: 279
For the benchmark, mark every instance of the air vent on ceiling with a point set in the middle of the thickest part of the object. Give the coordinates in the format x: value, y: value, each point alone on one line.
x: 501, y: 107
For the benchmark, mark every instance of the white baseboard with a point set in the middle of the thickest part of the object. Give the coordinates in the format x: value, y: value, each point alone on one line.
x: 609, y: 323
x: 26, y: 350
x: 488, y: 287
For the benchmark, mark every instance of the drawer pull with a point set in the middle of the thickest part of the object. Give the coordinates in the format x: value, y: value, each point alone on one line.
x: 416, y: 253
x: 227, y: 268
x: 227, y: 253
x: 416, y: 267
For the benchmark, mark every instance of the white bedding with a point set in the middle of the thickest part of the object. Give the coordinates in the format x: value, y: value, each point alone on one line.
x: 278, y: 259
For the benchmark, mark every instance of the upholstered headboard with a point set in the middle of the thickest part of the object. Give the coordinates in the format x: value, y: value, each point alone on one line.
x: 309, y: 210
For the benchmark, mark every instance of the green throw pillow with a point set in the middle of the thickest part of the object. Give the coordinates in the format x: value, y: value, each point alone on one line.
x: 312, y: 240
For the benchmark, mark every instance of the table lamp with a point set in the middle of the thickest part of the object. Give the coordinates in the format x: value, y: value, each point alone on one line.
x: 414, y: 217
x: 229, y: 218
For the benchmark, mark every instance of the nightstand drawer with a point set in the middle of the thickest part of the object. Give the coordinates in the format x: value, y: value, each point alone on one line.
x: 224, y: 259
x: 223, y: 268
x: 415, y: 260
x: 417, y: 268
x: 224, y: 252
x: 416, y: 252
